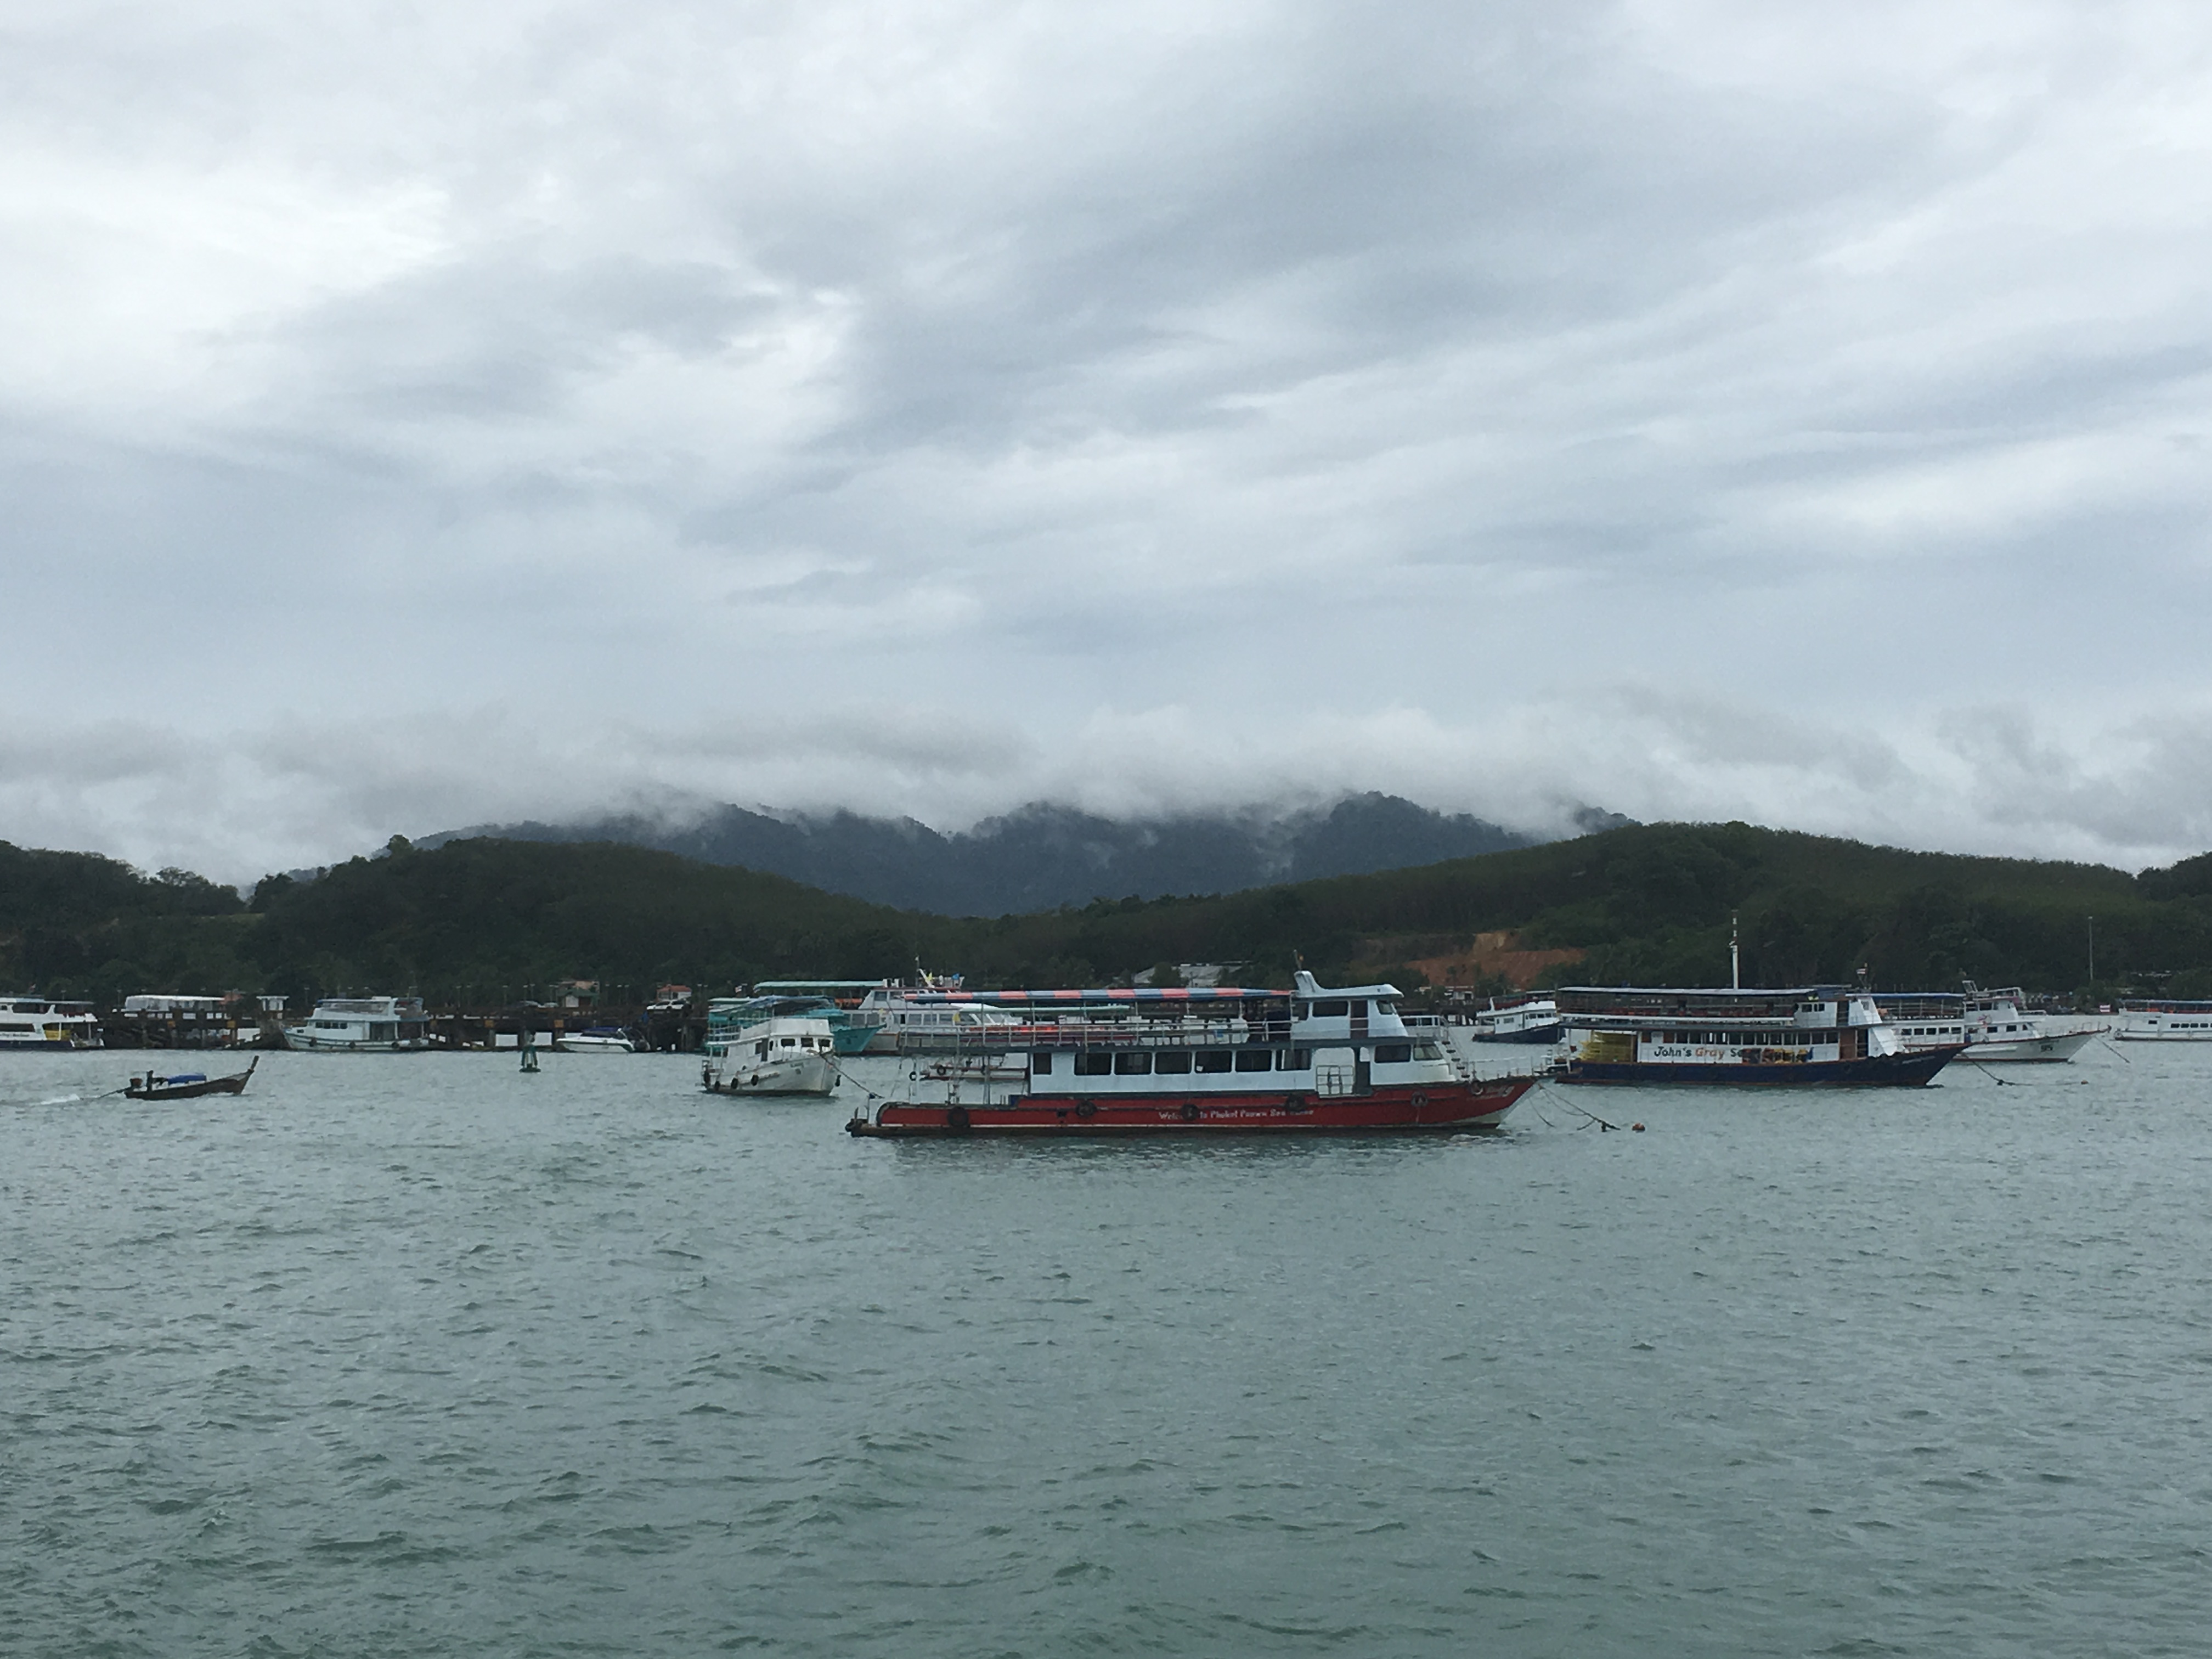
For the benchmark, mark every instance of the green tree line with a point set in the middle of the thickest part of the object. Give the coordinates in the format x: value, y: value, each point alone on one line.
x: 1648, y: 904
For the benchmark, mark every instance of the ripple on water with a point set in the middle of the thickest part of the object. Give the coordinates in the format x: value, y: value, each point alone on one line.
x: 437, y: 1359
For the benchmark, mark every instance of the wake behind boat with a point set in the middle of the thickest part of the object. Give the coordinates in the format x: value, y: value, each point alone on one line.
x: 1208, y: 1061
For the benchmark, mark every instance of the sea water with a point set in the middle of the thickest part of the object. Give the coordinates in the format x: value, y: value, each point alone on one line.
x: 417, y: 1355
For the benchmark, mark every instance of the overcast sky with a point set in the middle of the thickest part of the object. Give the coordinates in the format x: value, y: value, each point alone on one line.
x: 414, y: 416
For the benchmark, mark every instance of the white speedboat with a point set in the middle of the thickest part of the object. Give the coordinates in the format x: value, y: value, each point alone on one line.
x: 769, y: 1045
x: 2165, y: 1021
x: 1993, y: 1025
x: 597, y: 1040
x: 362, y: 1025
x: 42, y: 1023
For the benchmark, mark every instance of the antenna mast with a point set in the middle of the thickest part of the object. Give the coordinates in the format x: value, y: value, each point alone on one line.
x: 1735, y: 957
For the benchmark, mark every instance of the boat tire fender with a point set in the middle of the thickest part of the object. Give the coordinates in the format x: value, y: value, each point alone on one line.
x: 1190, y: 1111
x: 1086, y: 1109
x: 957, y: 1118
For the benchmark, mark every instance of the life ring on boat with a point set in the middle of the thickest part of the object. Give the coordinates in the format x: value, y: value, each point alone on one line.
x: 1190, y: 1111
x: 957, y: 1118
x: 1086, y: 1109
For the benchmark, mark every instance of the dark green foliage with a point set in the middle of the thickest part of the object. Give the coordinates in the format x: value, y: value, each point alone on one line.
x: 479, y: 919
x: 79, y: 924
x: 2190, y: 878
x: 479, y: 914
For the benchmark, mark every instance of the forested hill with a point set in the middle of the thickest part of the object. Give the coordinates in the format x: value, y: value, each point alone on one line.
x: 1648, y: 904
x: 1044, y: 855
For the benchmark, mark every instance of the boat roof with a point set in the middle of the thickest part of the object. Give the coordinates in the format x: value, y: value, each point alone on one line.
x: 772, y: 1006
x: 1804, y: 993
x: 1142, y: 993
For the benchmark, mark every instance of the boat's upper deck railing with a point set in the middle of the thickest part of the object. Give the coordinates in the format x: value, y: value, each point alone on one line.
x: 1063, y: 1034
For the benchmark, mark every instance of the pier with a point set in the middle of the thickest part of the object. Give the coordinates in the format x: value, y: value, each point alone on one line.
x: 241, y: 1023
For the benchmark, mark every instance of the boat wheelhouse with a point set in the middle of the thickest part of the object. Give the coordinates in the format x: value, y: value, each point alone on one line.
x: 48, y: 1026
x: 362, y: 1025
x: 1812, y: 1034
x: 2161, y: 1020
x: 770, y: 1045
x: 842, y: 1000
x: 1184, y: 1061
x: 1995, y: 1026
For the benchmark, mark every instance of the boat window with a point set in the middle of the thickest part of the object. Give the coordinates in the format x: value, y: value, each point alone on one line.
x: 1254, y: 1059
x: 1294, y: 1060
x: 1385, y: 1006
x: 1299, y: 1010
x: 1392, y: 1054
x: 1040, y: 1063
x: 1427, y: 1051
x: 1212, y: 1060
x: 1334, y: 1010
x: 1094, y: 1065
x: 1132, y: 1064
x: 1175, y: 1059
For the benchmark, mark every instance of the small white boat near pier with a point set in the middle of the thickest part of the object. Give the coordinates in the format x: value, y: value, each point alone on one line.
x: 362, y: 1025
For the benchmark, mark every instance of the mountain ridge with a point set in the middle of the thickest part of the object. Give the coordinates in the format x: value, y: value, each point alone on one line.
x: 1042, y: 855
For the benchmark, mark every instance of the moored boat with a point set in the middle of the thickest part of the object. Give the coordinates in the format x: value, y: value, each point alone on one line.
x: 889, y: 1010
x: 2162, y: 1020
x: 362, y: 1025
x: 1209, y: 1061
x: 768, y: 1046
x: 1995, y: 1026
x: 595, y: 1040
x: 1522, y: 1019
x: 1809, y: 1035
x: 842, y: 1001
x: 42, y: 1023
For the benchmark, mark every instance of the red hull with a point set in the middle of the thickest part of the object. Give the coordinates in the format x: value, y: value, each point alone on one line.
x: 1441, y: 1106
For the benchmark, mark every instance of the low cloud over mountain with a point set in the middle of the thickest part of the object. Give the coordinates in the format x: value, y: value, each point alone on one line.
x: 1043, y: 855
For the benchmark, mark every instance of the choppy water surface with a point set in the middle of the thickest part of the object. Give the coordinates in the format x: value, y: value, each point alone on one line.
x: 419, y: 1355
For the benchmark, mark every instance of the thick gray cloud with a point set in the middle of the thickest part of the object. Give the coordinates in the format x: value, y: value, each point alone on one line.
x: 411, y: 418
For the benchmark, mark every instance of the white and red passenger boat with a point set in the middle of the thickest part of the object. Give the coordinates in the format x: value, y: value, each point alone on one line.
x: 1211, y: 1061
